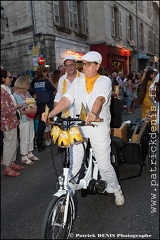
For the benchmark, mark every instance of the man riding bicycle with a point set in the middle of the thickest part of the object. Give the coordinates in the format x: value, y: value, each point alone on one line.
x: 94, y: 91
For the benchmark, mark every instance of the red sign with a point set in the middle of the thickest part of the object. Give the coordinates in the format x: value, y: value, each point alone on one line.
x: 41, y: 60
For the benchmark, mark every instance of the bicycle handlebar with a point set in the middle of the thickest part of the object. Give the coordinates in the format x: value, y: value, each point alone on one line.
x: 60, y: 120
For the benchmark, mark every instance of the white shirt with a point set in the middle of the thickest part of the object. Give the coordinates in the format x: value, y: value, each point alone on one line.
x: 60, y: 93
x: 78, y: 94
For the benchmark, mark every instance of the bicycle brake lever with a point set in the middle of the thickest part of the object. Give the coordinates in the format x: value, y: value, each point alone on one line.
x: 91, y: 124
x: 82, y: 124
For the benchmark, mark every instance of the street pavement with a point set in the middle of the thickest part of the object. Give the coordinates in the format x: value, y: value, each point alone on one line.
x: 24, y: 200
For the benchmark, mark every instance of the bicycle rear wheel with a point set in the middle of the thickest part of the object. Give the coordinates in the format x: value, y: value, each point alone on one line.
x: 52, y: 227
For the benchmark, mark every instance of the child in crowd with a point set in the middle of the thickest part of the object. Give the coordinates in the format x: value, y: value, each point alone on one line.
x: 26, y: 126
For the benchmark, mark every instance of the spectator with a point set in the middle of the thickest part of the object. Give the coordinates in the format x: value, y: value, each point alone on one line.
x: 54, y: 78
x: 155, y: 72
x: 33, y: 94
x: 120, y: 79
x: 31, y: 87
x: 116, y: 104
x: 66, y: 80
x: 9, y: 123
x: 136, y: 90
x: 12, y: 84
x: 26, y: 126
x: 145, y: 70
x: 155, y: 89
x: 62, y: 70
x: 1, y: 147
x: 129, y: 91
x: 145, y: 96
x: 95, y: 94
x: 44, y: 90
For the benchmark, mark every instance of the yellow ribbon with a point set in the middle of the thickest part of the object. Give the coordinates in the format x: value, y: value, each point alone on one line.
x: 90, y: 83
x: 66, y: 112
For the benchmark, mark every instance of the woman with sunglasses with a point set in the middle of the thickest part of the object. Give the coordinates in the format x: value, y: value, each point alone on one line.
x: 9, y: 123
x: 94, y: 91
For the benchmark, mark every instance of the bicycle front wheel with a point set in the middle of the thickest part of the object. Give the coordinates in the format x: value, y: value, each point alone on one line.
x: 53, y: 227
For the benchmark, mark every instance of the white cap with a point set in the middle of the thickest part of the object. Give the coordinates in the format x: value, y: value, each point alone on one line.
x: 93, y: 56
x: 69, y: 58
x: 155, y: 70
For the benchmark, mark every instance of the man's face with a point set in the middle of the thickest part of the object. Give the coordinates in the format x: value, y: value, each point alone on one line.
x: 70, y: 66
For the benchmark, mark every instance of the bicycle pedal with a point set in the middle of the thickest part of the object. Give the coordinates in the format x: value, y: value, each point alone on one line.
x: 83, y: 192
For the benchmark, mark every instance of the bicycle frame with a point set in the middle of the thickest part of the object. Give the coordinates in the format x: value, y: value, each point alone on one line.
x: 90, y: 173
x: 61, y: 210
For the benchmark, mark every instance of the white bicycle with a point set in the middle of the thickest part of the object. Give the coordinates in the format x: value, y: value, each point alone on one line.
x: 60, y: 213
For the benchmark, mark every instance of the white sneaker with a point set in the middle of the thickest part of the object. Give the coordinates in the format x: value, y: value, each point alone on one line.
x: 47, y: 142
x: 119, y: 198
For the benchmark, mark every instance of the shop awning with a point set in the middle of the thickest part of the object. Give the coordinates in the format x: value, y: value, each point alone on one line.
x: 144, y: 56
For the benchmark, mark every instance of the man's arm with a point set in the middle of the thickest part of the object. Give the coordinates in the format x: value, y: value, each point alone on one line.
x: 63, y: 104
x: 96, y: 109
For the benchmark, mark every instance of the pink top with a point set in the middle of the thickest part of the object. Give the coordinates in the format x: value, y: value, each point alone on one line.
x: 8, y: 112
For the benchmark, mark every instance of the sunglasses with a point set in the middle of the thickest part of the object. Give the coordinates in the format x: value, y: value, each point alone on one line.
x: 87, y: 64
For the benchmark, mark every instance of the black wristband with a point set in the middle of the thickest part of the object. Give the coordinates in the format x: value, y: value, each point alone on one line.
x: 95, y: 114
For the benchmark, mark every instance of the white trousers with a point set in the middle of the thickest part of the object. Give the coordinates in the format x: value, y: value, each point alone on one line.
x: 100, y: 141
x: 27, y: 134
x: 10, y: 145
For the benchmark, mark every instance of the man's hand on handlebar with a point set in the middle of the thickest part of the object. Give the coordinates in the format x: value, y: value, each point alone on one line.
x: 91, y: 117
x: 44, y: 118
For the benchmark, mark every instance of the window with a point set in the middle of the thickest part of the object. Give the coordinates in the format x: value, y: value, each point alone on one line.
x: 116, y: 22
x: 77, y: 16
x: 82, y: 16
x: 131, y: 29
x: 71, y: 15
x: 58, y: 10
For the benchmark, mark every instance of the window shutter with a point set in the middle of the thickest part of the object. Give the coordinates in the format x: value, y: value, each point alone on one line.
x: 56, y: 12
x: 128, y: 28
x: 134, y: 28
x: 120, y: 25
x: 70, y: 16
x: 84, y: 17
x: 139, y: 32
x: 113, y: 21
x: 75, y: 15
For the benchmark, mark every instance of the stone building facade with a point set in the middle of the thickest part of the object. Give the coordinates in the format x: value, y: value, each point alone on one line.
x: 126, y: 33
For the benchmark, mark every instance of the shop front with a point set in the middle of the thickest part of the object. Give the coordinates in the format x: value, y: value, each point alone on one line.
x: 114, y: 59
x: 142, y: 61
x: 65, y: 48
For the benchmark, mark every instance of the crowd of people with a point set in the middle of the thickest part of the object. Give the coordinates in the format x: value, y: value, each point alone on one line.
x: 63, y: 91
